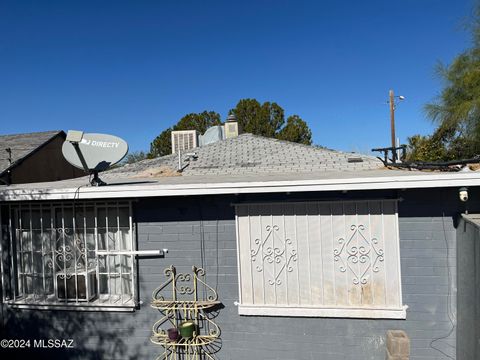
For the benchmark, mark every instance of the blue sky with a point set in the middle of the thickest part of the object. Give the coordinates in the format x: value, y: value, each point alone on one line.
x: 133, y: 68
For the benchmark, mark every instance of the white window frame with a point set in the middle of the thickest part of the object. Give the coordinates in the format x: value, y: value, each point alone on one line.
x: 126, y: 300
x: 373, y: 312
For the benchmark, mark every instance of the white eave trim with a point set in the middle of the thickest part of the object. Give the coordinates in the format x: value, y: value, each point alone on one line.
x: 361, y: 313
x: 157, y: 189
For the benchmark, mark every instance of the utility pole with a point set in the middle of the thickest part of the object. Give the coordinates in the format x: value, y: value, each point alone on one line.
x: 393, y: 148
x: 392, y: 124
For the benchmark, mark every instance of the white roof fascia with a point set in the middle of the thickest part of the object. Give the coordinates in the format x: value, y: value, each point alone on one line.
x: 138, y: 191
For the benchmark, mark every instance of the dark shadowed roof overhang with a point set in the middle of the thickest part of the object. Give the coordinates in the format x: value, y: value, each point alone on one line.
x: 23, y: 146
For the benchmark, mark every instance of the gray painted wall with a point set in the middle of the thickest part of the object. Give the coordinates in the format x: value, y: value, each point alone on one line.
x: 468, y: 259
x: 179, y: 224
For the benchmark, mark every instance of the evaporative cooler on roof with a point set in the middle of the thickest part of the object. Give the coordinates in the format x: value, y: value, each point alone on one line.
x: 184, y: 140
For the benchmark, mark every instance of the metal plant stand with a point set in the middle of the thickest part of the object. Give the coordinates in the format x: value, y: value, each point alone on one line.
x: 185, y: 297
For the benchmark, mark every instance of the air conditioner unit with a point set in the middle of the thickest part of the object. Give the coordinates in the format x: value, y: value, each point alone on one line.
x: 184, y: 140
x: 81, y: 286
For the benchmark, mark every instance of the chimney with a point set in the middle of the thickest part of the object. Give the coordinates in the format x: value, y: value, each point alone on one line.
x: 232, y: 127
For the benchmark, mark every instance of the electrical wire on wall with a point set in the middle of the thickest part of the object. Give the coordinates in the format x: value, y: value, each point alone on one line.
x: 451, y: 317
x: 202, y: 243
x: 2, y: 317
x: 2, y: 324
x: 217, y: 252
x: 202, y: 240
x: 203, y: 249
x: 76, y: 195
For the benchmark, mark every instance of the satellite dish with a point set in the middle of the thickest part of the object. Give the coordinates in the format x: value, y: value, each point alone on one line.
x: 93, y: 152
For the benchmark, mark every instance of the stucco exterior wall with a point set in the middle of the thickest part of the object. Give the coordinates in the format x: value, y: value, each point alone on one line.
x: 181, y: 224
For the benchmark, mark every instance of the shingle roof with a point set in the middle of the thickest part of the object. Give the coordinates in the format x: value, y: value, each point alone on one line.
x: 246, y: 164
x: 249, y: 154
x: 22, y: 145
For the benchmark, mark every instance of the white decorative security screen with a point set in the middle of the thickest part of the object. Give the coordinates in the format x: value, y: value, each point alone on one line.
x: 77, y: 254
x: 338, y: 259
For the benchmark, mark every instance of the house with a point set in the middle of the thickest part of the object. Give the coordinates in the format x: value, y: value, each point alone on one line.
x: 34, y: 157
x: 279, y: 251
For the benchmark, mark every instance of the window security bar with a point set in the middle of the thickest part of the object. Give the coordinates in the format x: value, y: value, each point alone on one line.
x: 70, y: 254
x: 137, y: 253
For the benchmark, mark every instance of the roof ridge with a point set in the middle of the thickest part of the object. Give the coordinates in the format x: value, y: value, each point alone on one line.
x: 34, y: 132
x: 314, y: 147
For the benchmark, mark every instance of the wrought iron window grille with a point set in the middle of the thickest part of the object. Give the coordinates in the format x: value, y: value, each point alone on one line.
x: 61, y: 254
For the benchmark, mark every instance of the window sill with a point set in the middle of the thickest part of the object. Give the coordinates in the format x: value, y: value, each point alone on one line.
x: 361, y: 313
x: 72, y: 307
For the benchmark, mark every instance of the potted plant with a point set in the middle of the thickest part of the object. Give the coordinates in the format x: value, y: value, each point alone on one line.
x: 172, y: 334
x: 186, y: 329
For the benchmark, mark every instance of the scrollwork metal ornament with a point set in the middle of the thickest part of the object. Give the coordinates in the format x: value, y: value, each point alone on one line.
x: 189, y: 298
x: 266, y: 251
x: 358, y: 252
x: 70, y: 254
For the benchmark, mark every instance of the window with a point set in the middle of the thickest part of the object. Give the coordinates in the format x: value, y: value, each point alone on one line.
x: 332, y: 259
x: 68, y: 254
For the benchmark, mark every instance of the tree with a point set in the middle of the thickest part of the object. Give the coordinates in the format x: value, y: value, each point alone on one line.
x: 443, y: 145
x: 200, y: 122
x: 296, y: 130
x: 260, y: 119
x: 162, y: 144
x: 456, y: 111
x: 133, y: 157
x: 268, y: 119
x: 426, y: 148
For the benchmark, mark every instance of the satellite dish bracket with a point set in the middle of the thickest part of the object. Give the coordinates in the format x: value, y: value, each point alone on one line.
x: 96, y: 181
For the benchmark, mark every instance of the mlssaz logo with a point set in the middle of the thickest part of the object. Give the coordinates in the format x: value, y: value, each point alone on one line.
x: 53, y: 343
x: 104, y: 144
